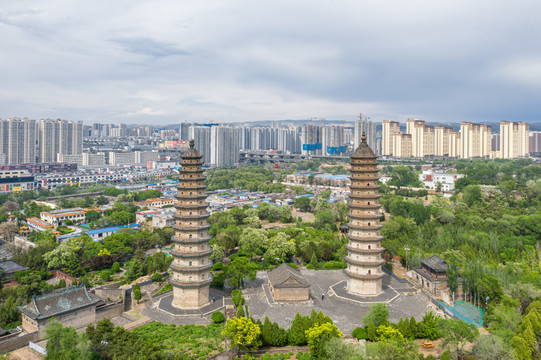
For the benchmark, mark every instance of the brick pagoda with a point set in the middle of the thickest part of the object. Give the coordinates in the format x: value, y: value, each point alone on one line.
x: 364, y: 248
x: 191, y: 265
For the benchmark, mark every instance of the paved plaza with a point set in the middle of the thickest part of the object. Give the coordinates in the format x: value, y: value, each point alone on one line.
x: 344, y: 309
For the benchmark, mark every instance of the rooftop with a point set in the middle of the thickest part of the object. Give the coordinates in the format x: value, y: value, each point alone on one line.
x: 58, y: 302
x: 11, y: 267
x: 435, y: 262
x: 284, y: 276
x: 62, y: 212
x: 99, y: 231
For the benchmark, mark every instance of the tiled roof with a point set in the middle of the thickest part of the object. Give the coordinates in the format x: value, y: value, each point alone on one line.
x: 11, y: 267
x: 435, y: 262
x: 284, y: 276
x: 58, y: 302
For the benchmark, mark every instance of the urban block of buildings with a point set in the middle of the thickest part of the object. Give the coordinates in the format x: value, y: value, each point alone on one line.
x: 472, y: 141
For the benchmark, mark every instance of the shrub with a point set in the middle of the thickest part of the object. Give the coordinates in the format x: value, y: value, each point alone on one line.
x: 446, y: 355
x: 360, y: 333
x: 137, y: 292
x: 294, y: 266
x: 105, y: 275
x: 310, y: 267
x: 332, y: 265
x: 156, y: 277
x: 218, y: 281
x: 115, y: 267
x: 237, y: 298
x: 217, y: 317
x: 218, y: 266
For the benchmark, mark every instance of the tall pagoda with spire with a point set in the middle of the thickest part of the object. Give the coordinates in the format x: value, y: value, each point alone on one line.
x: 364, y: 274
x: 191, y: 265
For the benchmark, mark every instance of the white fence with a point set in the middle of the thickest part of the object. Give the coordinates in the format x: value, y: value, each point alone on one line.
x: 38, y: 348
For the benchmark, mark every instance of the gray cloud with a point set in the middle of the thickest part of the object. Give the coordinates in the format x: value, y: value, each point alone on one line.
x: 242, y: 60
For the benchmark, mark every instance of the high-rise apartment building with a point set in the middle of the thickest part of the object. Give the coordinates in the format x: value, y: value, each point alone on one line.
x: 224, y: 145
x: 18, y: 141
x: 389, y: 129
x: 332, y: 140
x: 422, y: 138
x: 201, y: 136
x: 364, y: 126
x: 514, y: 139
x: 535, y: 142
x: 475, y: 140
x: 59, y: 137
x: 402, y: 146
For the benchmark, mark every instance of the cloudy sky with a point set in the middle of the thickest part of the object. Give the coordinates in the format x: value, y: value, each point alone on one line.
x: 239, y: 60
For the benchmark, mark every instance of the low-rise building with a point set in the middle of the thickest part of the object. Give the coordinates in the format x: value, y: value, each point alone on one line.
x: 72, y: 306
x: 288, y: 284
x: 9, y: 268
x: 432, y: 278
x: 15, y: 180
x: 157, y: 203
x: 162, y: 220
x: 431, y: 179
x: 36, y: 224
x: 59, y: 217
x: 98, y: 234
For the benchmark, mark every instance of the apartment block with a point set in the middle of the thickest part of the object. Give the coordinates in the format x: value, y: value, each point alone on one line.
x: 402, y: 145
x: 475, y: 140
x: 514, y: 140
x: 17, y: 141
x: 389, y: 129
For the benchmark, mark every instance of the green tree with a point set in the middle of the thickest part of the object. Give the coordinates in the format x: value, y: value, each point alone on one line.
x: 335, y: 349
x: 61, y: 257
x: 490, y: 347
x: 471, y: 194
x: 217, y: 317
x: 253, y: 241
x: 9, y: 313
x: 134, y: 270
x: 238, y: 269
x: 280, y: 247
x: 243, y: 333
x: 315, y: 334
x: 63, y: 343
x: 137, y: 292
x: 297, y: 336
x: 304, y: 204
x: 378, y: 313
x: 457, y: 334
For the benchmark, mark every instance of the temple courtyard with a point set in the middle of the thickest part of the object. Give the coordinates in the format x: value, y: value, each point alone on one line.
x: 344, y: 309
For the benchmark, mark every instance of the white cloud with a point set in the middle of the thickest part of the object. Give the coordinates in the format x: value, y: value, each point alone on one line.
x: 147, y: 111
x: 253, y: 60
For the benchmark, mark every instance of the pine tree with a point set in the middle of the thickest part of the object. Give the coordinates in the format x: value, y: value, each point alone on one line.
x: 320, y: 317
x: 240, y: 312
x: 403, y: 328
x: 279, y: 335
x: 296, y: 333
x: 371, y: 330
x: 413, y: 328
x: 313, y: 261
x: 313, y: 317
x: 266, y: 332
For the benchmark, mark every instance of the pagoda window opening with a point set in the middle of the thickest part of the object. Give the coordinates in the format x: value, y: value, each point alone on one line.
x: 368, y: 247
x: 190, y: 264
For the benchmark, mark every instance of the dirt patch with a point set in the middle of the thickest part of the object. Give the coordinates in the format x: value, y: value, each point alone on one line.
x: 25, y: 353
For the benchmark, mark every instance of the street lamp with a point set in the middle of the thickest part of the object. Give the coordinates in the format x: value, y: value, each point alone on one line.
x: 407, y: 250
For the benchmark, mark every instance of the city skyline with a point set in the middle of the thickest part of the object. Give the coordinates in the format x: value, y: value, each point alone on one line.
x: 160, y: 63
